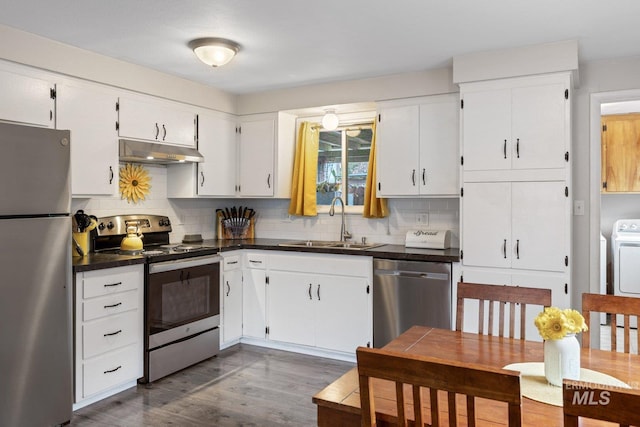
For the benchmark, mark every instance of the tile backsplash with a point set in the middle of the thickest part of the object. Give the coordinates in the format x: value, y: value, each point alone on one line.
x: 190, y: 216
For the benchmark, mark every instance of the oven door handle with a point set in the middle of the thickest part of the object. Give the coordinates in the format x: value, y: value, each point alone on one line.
x: 179, y: 264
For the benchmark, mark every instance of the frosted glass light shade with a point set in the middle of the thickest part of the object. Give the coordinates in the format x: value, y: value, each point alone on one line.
x: 214, y: 51
x: 330, y: 120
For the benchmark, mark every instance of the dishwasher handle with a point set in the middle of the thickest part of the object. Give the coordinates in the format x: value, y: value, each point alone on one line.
x: 412, y: 274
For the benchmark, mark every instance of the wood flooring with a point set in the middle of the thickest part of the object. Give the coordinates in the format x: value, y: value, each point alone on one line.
x: 243, y: 386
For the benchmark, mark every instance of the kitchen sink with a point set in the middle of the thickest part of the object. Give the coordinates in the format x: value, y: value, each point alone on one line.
x: 329, y: 244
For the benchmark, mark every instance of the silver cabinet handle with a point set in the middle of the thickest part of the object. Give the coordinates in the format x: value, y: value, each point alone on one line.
x: 157, y: 131
x: 504, y: 249
x: 318, y: 292
x: 310, y: 297
x: 228, y: 288
x: 110, y: 175
x: 202, y: 182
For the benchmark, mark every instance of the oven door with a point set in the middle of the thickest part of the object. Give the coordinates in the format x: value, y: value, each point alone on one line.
x: 183, y: 299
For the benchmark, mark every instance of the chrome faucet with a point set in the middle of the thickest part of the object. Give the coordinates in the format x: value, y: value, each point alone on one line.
x: 344, y: 234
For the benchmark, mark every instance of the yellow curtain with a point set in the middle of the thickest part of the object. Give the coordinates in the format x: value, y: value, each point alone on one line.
x: 305, y: 171
x: 373, y: 206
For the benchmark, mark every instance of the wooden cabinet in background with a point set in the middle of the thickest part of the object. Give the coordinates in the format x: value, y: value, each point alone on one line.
x: 621, y: 153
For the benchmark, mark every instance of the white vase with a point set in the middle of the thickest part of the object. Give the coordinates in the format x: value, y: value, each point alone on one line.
x: 562, y: 359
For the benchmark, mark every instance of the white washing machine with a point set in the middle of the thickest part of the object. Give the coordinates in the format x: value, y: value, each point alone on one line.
x: 625, y: 244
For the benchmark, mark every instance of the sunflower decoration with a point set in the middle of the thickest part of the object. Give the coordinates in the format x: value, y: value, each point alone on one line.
x: 135, y: 182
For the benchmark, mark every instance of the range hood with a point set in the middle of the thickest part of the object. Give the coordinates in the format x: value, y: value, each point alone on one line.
x: 151, y: 152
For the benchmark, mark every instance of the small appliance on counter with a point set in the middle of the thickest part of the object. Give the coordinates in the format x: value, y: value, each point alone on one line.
x: 428, y: 239
x: 235, y: 223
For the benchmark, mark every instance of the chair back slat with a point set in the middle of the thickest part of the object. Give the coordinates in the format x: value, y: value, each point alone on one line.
x: 435, y: 374
x: 614, y: 305
x: 502, y: 295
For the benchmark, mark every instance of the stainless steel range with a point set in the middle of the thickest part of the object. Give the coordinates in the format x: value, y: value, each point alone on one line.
x: 182, y: 293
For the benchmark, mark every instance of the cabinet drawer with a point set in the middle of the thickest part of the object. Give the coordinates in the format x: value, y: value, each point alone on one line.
x: 110, y: 333
x: 255, y: 260
x: 110, y: 304
x: 104, y: 282
x: 110, y: 370
x: 231, y: 262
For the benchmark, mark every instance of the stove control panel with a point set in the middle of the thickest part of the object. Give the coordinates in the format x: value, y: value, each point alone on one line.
x: 117, y: 225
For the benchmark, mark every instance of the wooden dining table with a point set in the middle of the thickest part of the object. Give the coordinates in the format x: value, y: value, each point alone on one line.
x: 339, y: 403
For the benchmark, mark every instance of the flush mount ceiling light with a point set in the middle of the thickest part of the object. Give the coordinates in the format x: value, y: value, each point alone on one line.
x: 214, y: 51
x: 330, y: 120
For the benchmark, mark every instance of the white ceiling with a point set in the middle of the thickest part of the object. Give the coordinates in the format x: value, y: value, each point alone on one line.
x: 288, y: 43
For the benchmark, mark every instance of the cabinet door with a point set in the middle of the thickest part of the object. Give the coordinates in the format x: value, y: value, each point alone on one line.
x: 257, y: 145
x: 486, y: 130
x: 342, y: 313
x: 90, y: 114
x: 217, y: 143
x: 254, y: 303
x: 486, y: 224
x: 156, y: 120
x: 538, y: 128
x: 26, y: 100
x: 439, y: 142
x: 397, y: 145
x: 539, y: 225
x: 292, y: 307
x: 231, y: 288
x: 620, y: 153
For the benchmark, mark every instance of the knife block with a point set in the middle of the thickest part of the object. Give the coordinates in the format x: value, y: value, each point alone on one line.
x: 224, y: 233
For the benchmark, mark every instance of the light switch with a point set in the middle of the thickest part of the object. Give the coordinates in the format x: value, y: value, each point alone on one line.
x: 578, y: 207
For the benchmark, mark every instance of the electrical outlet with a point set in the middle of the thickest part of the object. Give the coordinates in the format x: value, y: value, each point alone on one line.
x: 578, y: 207
x: 422, y: 219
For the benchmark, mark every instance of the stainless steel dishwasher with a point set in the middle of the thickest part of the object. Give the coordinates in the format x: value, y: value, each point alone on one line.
x: 407, y: 293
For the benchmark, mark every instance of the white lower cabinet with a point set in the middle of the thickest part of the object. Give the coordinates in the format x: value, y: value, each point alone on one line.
x: 109, y: 319
x: 231, y: 297
x: 254, y: 297
x: 322, y: 301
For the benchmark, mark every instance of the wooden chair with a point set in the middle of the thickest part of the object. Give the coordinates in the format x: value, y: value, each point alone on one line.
x: 599, y: 402
x: 435, y: 374
x: 512, y: 295
x: 615, y: 305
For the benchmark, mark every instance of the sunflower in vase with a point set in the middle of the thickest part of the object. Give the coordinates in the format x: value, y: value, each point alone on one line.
x: 554, y: 323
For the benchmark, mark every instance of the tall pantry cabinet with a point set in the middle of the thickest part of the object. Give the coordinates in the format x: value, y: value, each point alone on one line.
x: 516, y: 183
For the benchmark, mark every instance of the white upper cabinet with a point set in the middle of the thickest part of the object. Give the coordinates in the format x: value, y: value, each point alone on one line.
x: 417, y: 147
x: 267, y: 143
x: 516, y: 124
x: 217, y: 144
x: 26, y: 100
x: 519, y: 225
x: 156, y: 120
x: 89, y: 111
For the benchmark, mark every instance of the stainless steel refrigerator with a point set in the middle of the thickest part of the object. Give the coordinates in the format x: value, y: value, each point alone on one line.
x: 35, y: 277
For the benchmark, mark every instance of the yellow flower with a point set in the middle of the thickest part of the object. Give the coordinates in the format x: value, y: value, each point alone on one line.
x: 554, y: 324
x: 134, y: 182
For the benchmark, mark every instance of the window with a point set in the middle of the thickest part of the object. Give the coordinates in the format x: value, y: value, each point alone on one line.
x: 343, y: 163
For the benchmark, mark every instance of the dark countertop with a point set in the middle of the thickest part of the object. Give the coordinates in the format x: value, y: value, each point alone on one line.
x: 94, y: 261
